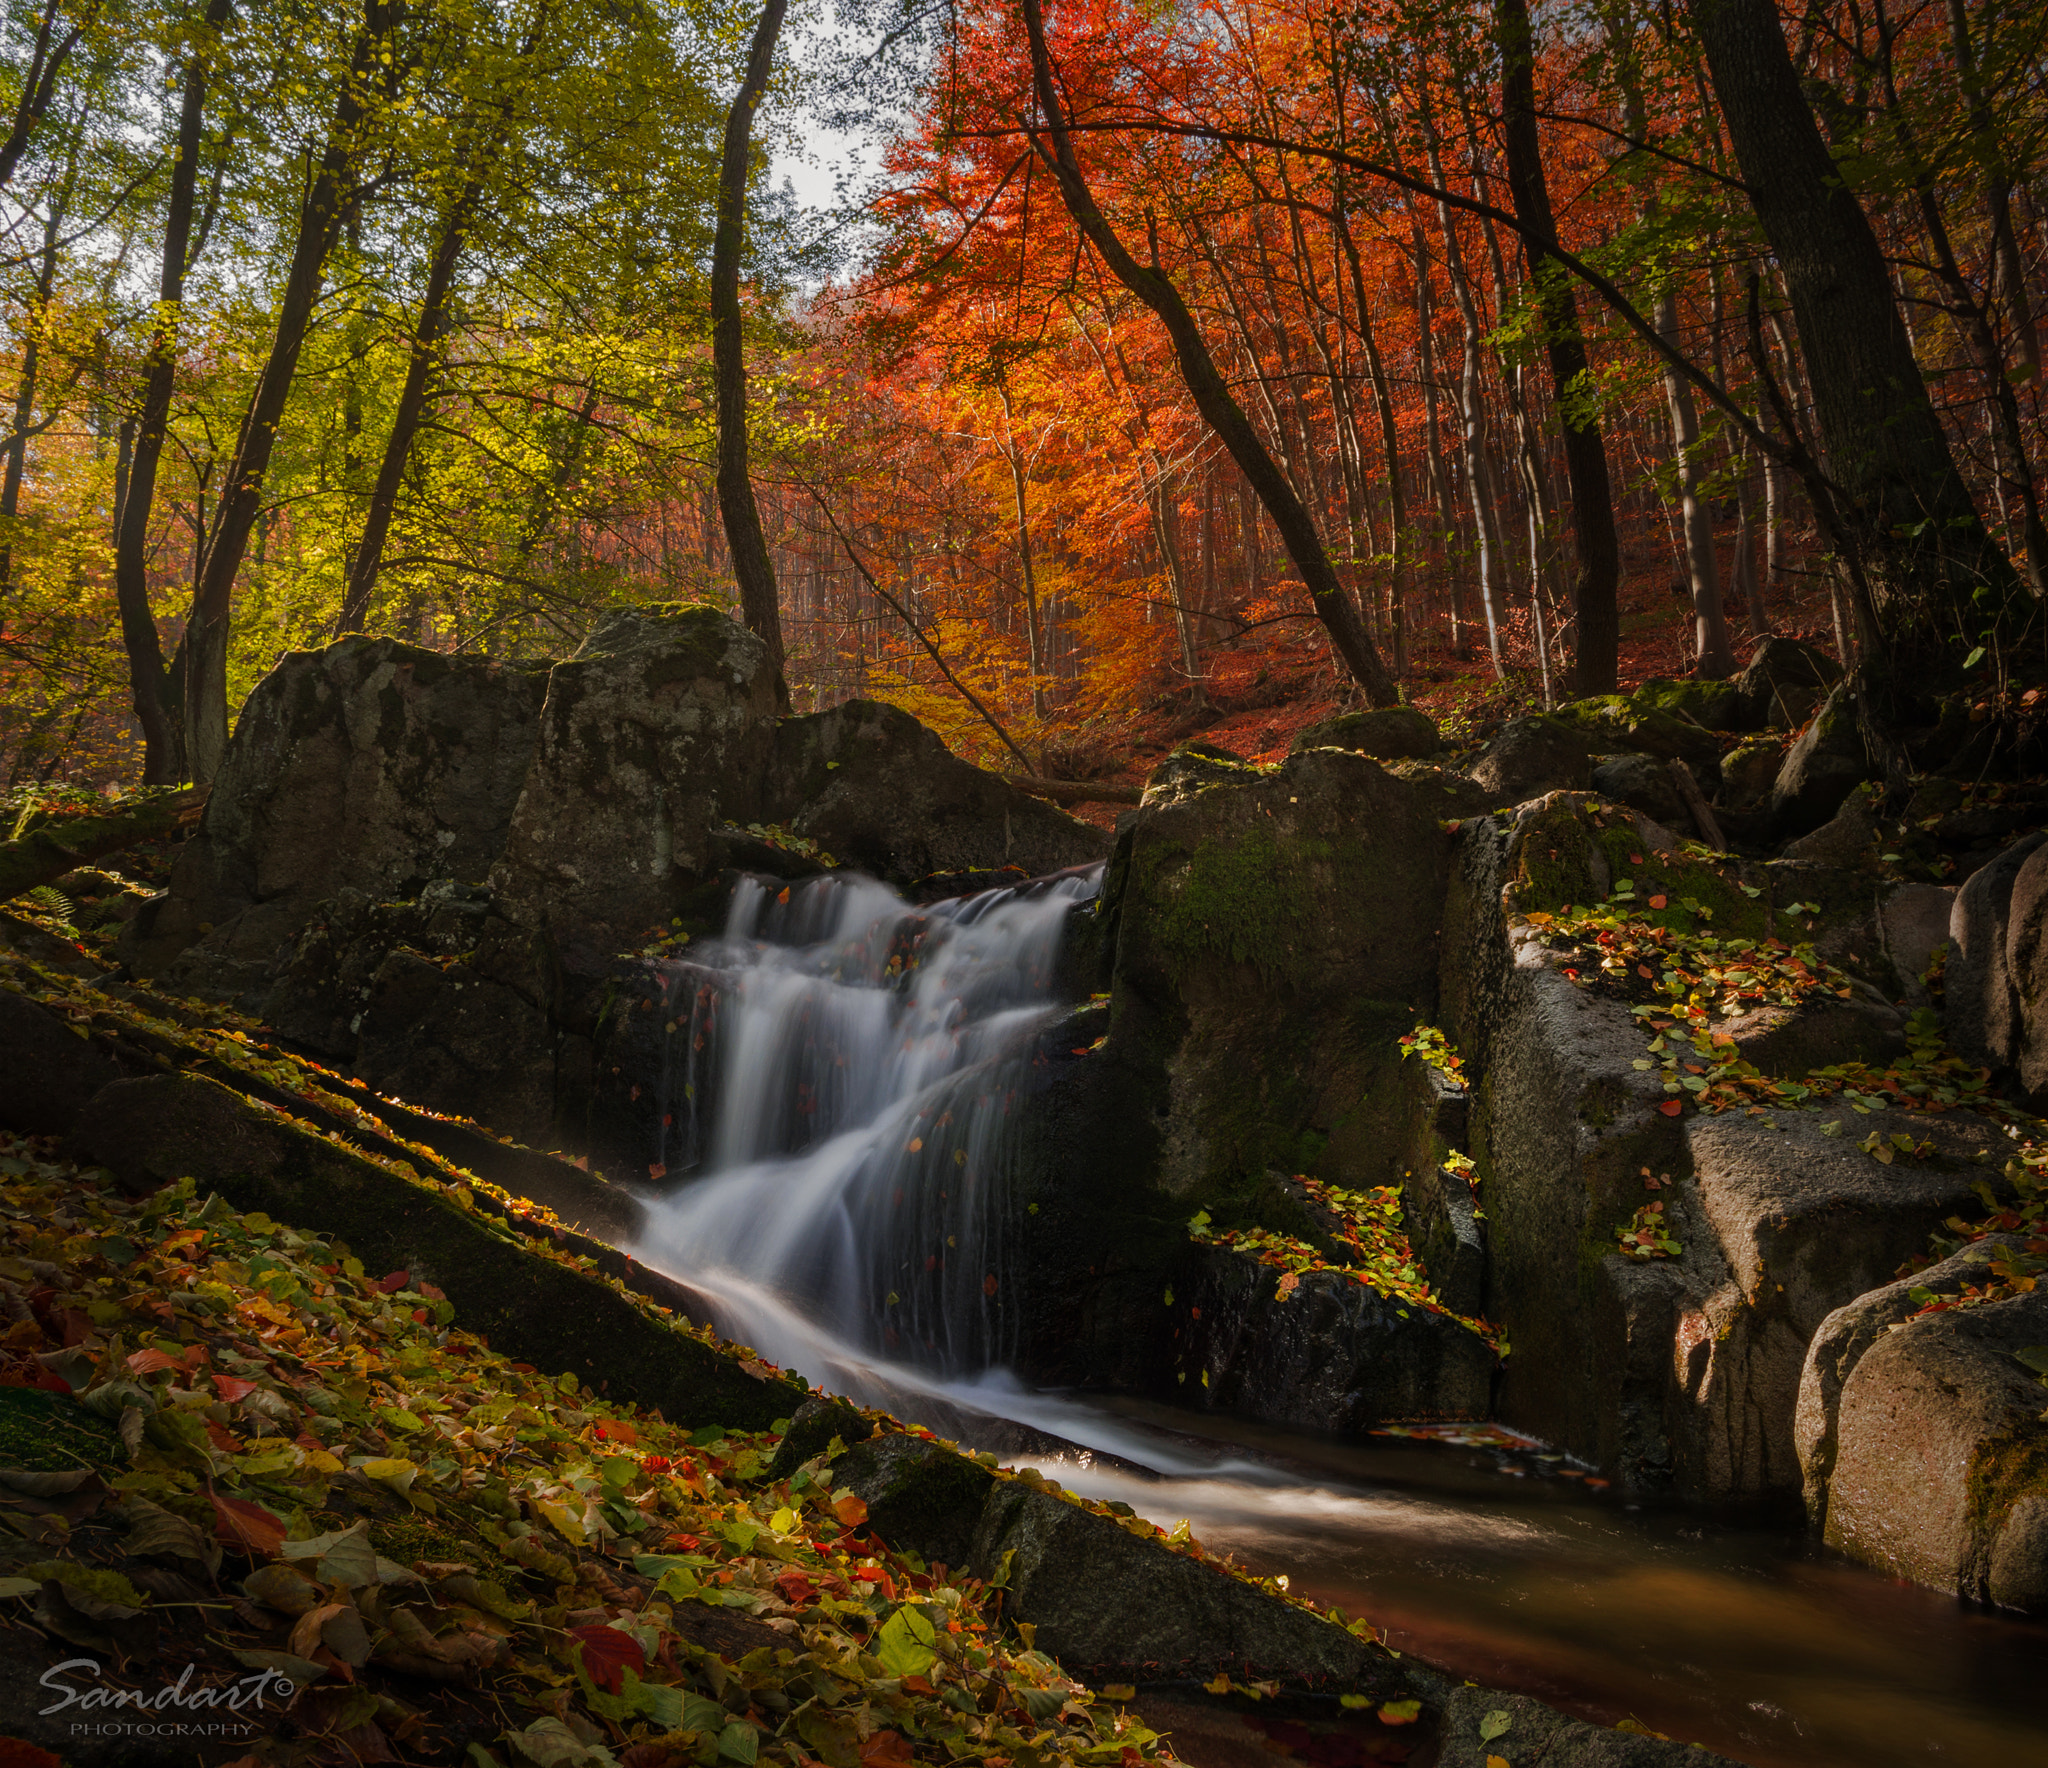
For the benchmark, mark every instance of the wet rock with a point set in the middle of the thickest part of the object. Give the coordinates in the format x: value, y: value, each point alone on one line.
x: 1444, y: 1227
x: 1387, y: 733
x: 1330, y: 1356
x: 1785, y: 680
x: 1482, y: 1725
x: 919, y: 1494
x: 1842, y: 1338
x: 1981, y: 996
x: 1643, y: 783
x: 1105, y: 1600
x: 1532, y: 756
x: 654, y: 732
x: 153, y: 1131
x: 370, y: 765
x: 879, y: 792
x: 1941, y: 1456
x: 1821, y: 769
x: 816, y: 1422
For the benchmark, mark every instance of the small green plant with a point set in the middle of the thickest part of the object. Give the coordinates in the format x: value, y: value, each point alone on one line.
x: 1647, y: 1235
x: 48, y: 900
x: 1886, y: 1149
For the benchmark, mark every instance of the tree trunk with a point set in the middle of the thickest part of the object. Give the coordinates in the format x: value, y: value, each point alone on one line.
x: 320, y: 220
x: 1348, y: 637
x: 1596, y: 617
x: 760, y: 604
x: 155, y: 691
x: 1025, y: 566
x: 1920, y: 555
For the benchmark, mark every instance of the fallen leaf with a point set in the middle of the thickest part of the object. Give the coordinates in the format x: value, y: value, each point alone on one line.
x: 608, y: 1654
x: 851, y: 1511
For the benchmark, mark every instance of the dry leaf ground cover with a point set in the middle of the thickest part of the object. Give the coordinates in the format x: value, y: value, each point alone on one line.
x: 235, y: 1460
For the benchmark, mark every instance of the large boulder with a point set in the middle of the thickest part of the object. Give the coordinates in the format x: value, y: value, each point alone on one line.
x: 1835, y: 1349
x: 370, y: 765
x: 1712, y: 705
x: 1386, y: 733
x: 1615, y: 723
x: 1331, y: 1355
x: 2026, y: 963
x: 881, y: 793
x: 1643, y: 783
x: 1532, y: 756
x: 1941, y: 1455
x: 657, y: 730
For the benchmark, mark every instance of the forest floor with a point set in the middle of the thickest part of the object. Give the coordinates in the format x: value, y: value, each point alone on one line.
x: 1260, y: 691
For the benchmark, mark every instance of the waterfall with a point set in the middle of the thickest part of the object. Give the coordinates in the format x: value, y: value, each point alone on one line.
x: 842, y: 1081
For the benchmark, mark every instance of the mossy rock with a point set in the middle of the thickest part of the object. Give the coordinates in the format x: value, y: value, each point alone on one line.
x: 561, y: 1318
x: 1712, y: 705
x: 1387, y: 733
x: 52, y: 1433
x: 1613, y: 723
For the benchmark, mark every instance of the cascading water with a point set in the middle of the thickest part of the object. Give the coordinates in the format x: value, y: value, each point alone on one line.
x: 843, y: 1075
x: 840, y: 1083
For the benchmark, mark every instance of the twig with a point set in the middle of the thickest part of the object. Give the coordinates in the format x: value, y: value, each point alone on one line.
x: 1074, y: 791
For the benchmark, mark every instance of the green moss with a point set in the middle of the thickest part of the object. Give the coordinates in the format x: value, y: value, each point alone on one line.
x: 52, y: 1433
x: 2006, y: 1468
x: 1236, y: 901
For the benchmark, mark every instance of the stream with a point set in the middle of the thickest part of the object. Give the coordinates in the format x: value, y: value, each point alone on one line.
x: 841, y: 1078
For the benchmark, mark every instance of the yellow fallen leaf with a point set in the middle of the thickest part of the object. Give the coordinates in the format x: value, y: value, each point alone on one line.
x: 564, y: 1521
x: 392, y: 1472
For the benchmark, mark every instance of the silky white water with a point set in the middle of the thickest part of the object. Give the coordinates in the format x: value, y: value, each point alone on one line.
x: 849, y: 1069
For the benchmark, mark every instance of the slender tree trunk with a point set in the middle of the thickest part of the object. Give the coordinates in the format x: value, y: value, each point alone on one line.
x: 751, y: 565
x: 39, y: 82
x: 1348, y: 637
x: 156, y: 692
x: 1025, y: 567
x: 1596, y: 615
x: 424, y: 360
x: 241, y: 499
x: 1924, y: 559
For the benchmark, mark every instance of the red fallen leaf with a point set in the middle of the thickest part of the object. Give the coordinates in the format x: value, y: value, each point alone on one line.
x: 15, y: 1753
x: 1657, y: 902
x: 419, y: 1316
x: 430, y: 1292
x: 918, y: 1685
x: 886, y: 1749
x: 851, y: 1511
x: 657, y: 1464
x: 988, y: 1284
x: 1671, y: 1107
x: 618, y: 1430
x: 873, y: 1574
x: 656, y: 1170
x: 392, y: 1284
x: 222, y: 1439
x: 309, y: 1442
x: 1635, y: 859
x: 248, y: 1526
x: 1644, y: 971
x: 150, y: 1360
x: 608, y: 1654
x: 796, y: 1589
x: 232, y: 1388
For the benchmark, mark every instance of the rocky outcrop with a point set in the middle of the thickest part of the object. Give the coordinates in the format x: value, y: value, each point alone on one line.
x: 1995, y: 985
x: 1785, y: 680
x: 1677, y: 1373
x: 426, y: 869
x: 1941, y: 1454
x: 1482, y: 1726
x: 1643, y: 783
x: 370, y: 765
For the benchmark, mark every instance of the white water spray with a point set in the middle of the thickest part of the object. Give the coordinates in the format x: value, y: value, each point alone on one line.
x: 848, y: 1068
